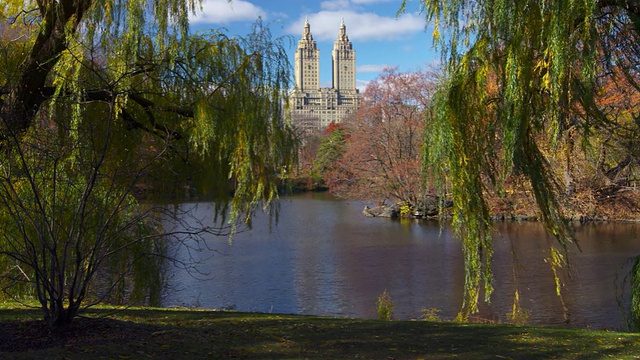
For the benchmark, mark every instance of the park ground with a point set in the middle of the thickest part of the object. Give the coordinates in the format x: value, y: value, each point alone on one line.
x: 146, y: 333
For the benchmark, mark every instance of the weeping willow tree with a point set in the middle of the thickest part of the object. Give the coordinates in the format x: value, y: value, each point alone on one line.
x: 104, y: 103
x: 520, y: 76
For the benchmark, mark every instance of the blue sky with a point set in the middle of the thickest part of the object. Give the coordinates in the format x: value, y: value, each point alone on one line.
x: 379, y: 37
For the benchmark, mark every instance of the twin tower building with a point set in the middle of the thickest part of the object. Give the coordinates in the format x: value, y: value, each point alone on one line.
x: 313, y: 107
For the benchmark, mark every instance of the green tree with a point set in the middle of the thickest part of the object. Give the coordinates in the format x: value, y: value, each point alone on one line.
x: 104, y: 102
x: 330, y: 149
x: 521, y: 76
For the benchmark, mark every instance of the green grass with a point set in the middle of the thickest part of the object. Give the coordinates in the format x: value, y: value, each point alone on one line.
x: 190, y: 334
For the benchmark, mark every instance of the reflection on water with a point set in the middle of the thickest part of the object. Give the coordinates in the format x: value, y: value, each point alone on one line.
x: 325, y: 258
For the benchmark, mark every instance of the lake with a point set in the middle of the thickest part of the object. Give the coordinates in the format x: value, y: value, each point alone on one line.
x: 324, y: 257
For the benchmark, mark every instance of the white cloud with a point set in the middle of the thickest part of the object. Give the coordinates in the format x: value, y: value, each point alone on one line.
x: 372, y: 68
x: 362, y: 84
x: 348, y: 4
x: 371, y: 1
x: 360, y: 26
x: 223, y: 11
x: 332, y: 5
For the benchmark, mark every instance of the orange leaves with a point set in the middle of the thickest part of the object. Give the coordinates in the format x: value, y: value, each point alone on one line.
x: 382, y: 156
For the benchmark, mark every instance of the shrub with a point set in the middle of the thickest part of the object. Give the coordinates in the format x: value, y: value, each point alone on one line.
x: 430, y: 314
x: 385, y: 306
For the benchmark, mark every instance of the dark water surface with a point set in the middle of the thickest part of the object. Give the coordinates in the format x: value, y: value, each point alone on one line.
x: 325, y: 258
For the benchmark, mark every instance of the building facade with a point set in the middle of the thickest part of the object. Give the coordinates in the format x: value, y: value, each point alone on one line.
x: 313, y: 107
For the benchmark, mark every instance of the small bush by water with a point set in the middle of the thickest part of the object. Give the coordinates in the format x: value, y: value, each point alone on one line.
x: 518, y: 315
x: 385, y: 306
x: 430, y: 314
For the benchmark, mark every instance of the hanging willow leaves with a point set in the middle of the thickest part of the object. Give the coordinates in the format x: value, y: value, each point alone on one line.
x: 522, y: 77
x: 106, y: 102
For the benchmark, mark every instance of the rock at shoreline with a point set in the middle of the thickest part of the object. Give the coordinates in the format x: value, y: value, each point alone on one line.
x: 428, y: 207
x: 384, y: 211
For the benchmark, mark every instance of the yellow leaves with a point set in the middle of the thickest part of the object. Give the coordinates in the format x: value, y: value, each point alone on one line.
x: 16, y: 9
x: 436, y: 30
x: 107, y: 9
x: 120, y: 104
x: 541, y: 67
x: 556, y: 261
x: 67, y: 71
x: 518, y: 315
x: 202, y: 129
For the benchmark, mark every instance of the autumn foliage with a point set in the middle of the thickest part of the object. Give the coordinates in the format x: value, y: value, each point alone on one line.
x: 382, y: 152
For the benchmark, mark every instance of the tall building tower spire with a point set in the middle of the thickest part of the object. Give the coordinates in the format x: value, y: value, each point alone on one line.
x: 307, y: 61
x: 344, y: 62
x: 312, y: 107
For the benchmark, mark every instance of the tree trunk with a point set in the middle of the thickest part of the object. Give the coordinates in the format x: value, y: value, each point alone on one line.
x: 58, y: 316
x: 28, y: 93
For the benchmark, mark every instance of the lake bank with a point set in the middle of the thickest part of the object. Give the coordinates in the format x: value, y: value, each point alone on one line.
x: 611, y: 203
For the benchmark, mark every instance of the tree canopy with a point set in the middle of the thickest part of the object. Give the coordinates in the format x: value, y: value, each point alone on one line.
x: 105, y: 102
x: 382, y: 156
x: 522, y: 79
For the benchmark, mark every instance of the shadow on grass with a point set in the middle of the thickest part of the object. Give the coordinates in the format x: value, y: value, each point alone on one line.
x: 178, y: 334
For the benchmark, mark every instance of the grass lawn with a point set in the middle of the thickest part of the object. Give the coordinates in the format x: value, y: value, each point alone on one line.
x: 192, y: 334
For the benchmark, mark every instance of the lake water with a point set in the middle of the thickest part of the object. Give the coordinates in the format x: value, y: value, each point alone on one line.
x: 325, y: 258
